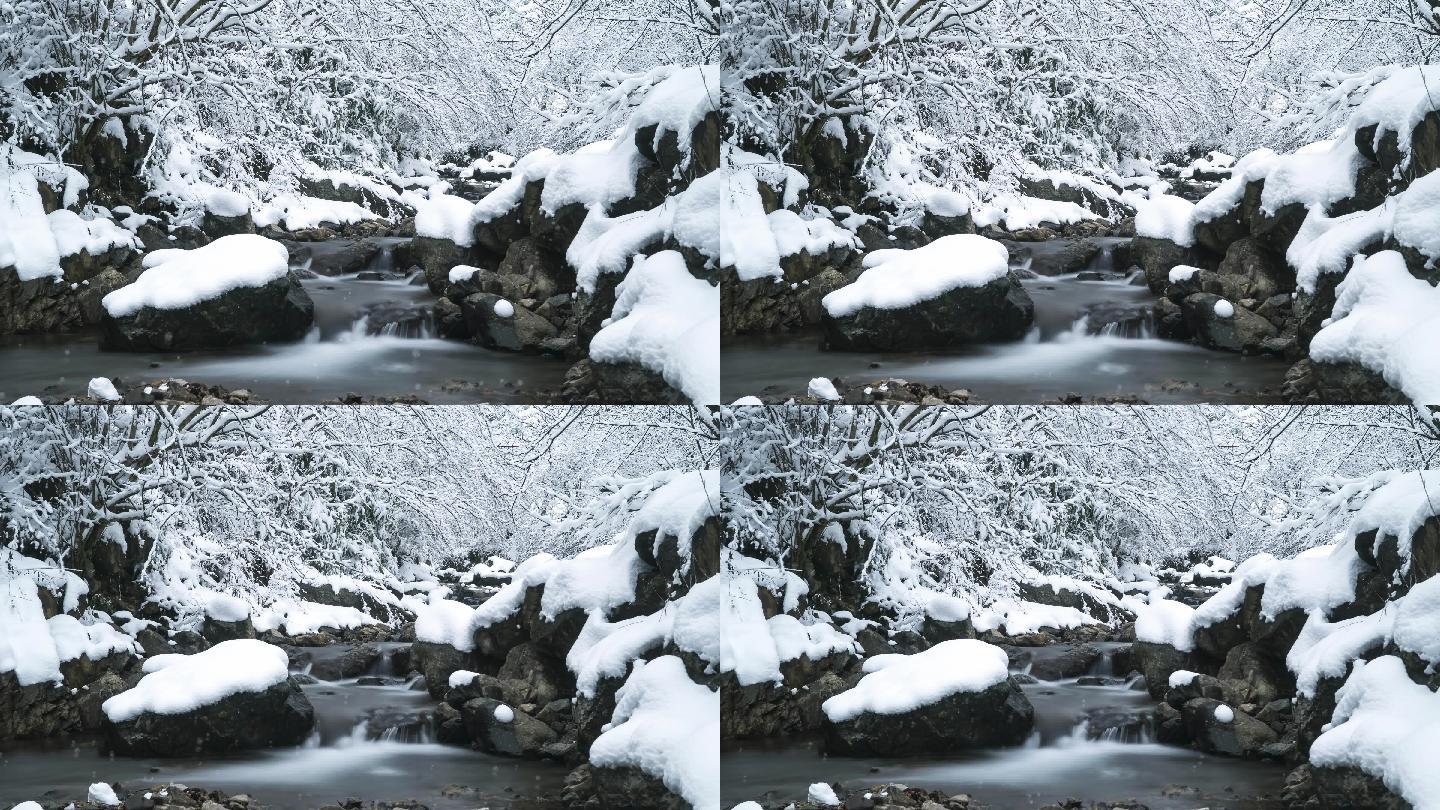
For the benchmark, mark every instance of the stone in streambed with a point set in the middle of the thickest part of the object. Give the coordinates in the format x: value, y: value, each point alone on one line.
x: 956, y: 695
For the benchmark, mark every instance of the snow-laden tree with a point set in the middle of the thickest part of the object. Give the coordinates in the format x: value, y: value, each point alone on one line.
x: 976, y: 89
x: 245, y: 496
x: 978, y: 499
x: 252, y: 86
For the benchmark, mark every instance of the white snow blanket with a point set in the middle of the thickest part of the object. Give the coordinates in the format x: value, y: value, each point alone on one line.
x: 896, y: 279
x: 896, y: 684
x: 176, y: 684
x: 175, y: 279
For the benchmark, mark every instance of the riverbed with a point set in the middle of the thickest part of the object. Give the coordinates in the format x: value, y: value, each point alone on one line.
x: 1092, y: 336
x: 371, y: 740
x: 1091, y: 742
x: 372, y: 336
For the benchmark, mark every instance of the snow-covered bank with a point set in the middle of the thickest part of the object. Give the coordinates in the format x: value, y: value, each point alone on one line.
x: 605, y: 255
x: 608, y: 658
x: 1321, y: 255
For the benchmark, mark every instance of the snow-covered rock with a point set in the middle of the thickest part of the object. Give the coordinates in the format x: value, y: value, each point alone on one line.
x: 235, y: 290
x: 233, y: 696
x: 955, y: 695
x: 955, y: 290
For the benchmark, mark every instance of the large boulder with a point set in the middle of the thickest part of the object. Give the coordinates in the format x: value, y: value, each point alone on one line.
x: 208, y: 298
x: 625, y: 788
x: 1158, y: 662
x: 437, y: 662
x: 544, y: 676
x: 1069, y: 661
x: 1157, y: 257
x: 995, y: 716
x: 1249, y: 270
x: 998, y: 311
x: 930, y: 702
x: 280, y: 715
x: 1252, y: 674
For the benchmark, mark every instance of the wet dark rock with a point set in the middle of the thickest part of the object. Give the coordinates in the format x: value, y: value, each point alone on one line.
x: 1253, y: 674
x: 1251, y: 270
x: 1243, y: 331
x: 1071, y: 661
x: 1336, y: 788
x: 1113, y: 724
x: 624, y: 788
x: 356, y: 660
x: 398, y: 725
x: 437, y: 662
x: 542, y: 674
x: 520, y: 331
x: 632, y: 382
x: 1243, y: 736
x: 1157, y: 257
x: 1158, y: 662
x: 216, y: 631
x: 521, y: 736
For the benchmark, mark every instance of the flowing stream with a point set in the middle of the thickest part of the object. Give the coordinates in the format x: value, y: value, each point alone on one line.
x: 372, y: 336
x: 372, y: 740
x: 1092, y: 336
x: 1089, y: 742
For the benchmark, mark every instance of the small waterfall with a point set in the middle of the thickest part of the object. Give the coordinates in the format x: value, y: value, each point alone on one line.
x: 1142, y: 329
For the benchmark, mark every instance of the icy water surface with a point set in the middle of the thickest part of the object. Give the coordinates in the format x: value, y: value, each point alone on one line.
x: 337, y: 358
x: 1061, y: 760
x: 1059, y: 357
x: 340, y: 760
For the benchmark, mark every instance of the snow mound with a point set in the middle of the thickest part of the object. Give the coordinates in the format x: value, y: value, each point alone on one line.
x: 226, y: 608
x: 1166, y: 622
x: 896, y: 279
x: 821, y: 793
x: 102, y: 389
x: 1398, y: 103
x: 446, y: 622
x: 1166, y: 217
x: 1417, y: 621
x: 446, y: 217
x: 176, y: 684
x: 669, y: 322
x: 298, y: 212
x: 1384, y: 319
x: 1019, y: 617
x: 823, y: 388
x: 299, y: 617
x: 1018, y: 213
x: 175, y: 279
x: 896, y: 684
x: 102, y: 794
x: 1387, y: 726
x: 669, y: 727
x: 74, y: 234
x: 1326, y: 650
x: 27, y: 241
